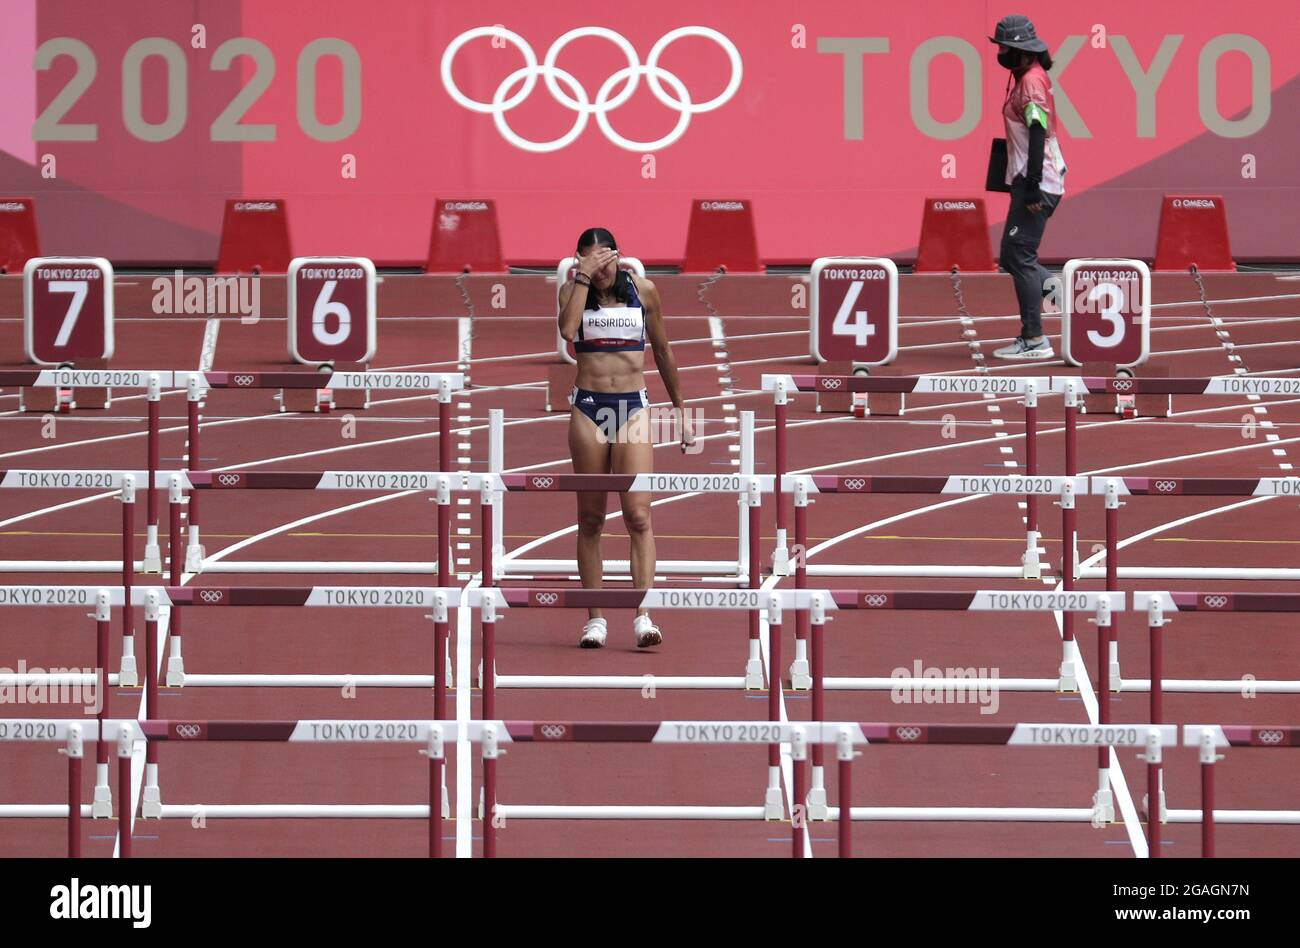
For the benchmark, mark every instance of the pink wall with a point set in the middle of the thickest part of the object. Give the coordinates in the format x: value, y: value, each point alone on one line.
x: 786, y: 137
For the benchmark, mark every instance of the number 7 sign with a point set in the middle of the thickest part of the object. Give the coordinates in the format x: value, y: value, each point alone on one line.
x: 67, y: 309
x: 1106, y: 313
x: 853, y: 309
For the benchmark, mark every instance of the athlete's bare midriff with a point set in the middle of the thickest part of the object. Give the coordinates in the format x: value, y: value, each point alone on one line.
x: 611, y: 372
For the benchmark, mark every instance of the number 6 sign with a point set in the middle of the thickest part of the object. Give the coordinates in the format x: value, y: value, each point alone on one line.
x: 1106, y: 313
x: 67, y: 309
x: 853, y: 310
x: 331, y: 309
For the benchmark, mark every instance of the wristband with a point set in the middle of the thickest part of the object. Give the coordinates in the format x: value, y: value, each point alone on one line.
x: 582, y: 280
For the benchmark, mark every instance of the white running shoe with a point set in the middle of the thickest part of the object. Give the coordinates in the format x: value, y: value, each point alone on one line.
x: 647, y: 633
x: 1021, y: 349
x: 593, y: 634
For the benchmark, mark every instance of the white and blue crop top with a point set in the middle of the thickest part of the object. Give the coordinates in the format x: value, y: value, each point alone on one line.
x: 613, y: 328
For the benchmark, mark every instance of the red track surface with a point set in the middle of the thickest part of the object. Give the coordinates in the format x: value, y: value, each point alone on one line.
x: 241, y: 429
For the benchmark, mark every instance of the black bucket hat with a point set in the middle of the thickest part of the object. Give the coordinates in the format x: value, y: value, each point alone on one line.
x: 1017, y: 31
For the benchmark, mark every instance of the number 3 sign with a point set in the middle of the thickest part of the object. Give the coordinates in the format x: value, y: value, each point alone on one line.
x: 331, y: 309
x: 1106, y: 314
x: 67, y: 309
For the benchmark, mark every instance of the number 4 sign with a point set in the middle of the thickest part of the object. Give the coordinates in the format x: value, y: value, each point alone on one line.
x: 331, y: 309
x: 854, y: 310
x: 67, y: 309
x: 1106, y: 313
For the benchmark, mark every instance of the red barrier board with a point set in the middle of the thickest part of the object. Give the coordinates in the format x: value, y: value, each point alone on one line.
x: 721, y: 234
x: 67, y: 309
x: 18, y: 241
x: 331, y: 306
x: 954, y: 233
x: 465, y: 235
x: 1193, y: 230
x: 254, y: 237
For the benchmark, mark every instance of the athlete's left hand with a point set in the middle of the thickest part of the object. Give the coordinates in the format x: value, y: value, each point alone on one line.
x: 687, y: 429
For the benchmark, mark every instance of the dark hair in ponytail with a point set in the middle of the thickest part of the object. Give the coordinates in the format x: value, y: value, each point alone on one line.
x: 594, y: 237
x: 1045, y: 60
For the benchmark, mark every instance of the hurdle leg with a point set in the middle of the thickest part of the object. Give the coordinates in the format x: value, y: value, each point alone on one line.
x: 800, y: 680
x: 102, y: 802
x: 75, y: 749
x: 781, y: 554
x: 817, y: 807
x: 491, y: 751
x: 176, y: 557
x: 1112, y: 584
x: 798, y: 810
x: 128, y: 676
x: 1209, y: 757
x: 440, y: 636
x: 436, y: 753
x: 1103, y: 801
x: 845, y: 755
x: 754, y: 674
x: 1154, y: 816
x: 151, y: 801
x: 774, y: 808
x: 1068, y: 681
x: 124, y: 808
x: 1155, y: 802
x: 152, y: 551
x: 194, y: 551
x: 1033, y: 565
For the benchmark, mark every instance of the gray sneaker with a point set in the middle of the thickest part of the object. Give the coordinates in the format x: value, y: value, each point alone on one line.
x: 1020, y: 349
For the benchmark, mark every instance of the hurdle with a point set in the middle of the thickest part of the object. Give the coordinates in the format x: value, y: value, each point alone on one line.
x: 511, y: 566
x: 1103, y: 606
x: 101, y: 601
x: 782, y: 386
x: 1208, y: 738
x: 1157, y: 605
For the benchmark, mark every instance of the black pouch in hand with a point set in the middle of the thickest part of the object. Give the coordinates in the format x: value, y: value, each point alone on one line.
x: 996, y: 179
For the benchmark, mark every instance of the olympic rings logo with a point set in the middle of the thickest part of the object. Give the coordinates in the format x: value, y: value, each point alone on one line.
x: 1122, y: 385
x: 855, y: 483
x: 907, y: 733
x: 1270, y: 737
x: 830, y: 382
x: 211, y: 595
x: 228, y: 480
x: 188, y: 731
x: 553, y: 732
x: 1215, y: 602
x: 519, y: 85
x: 243, y: 379
x: 543, y: 482
x: 875, y: 600
x: 547, y: 599
x: 1166, y: 487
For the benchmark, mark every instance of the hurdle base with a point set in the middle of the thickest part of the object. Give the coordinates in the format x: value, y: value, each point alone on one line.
x: 773, y: 805
x: 176, y: 672
x: 816, y: 806
x: 150, y: 803
x: 781, y: 561
x: 152, y: 559
x: 800, y: 675
x: 195, y: 553
x: 102, y: 807
x: 43, y: 400
x: 1031, y: 561
x: 754, y: 675
x: 1116, y: 682
x: 1146, y: 806
x: 1103, y: 808
x: 127, y: 676
x: 1068, y: 680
